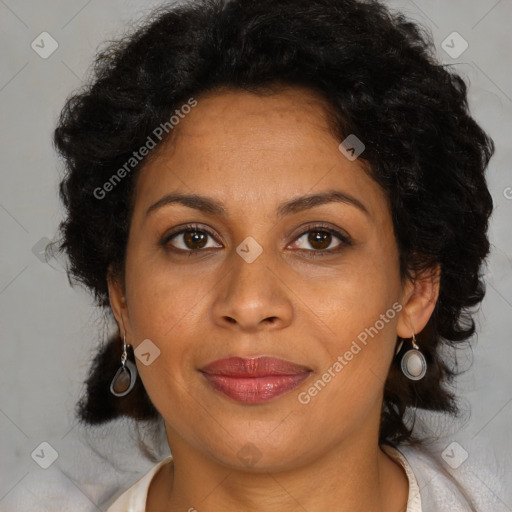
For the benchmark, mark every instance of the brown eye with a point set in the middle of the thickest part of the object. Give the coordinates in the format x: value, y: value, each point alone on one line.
x: 319, y: 239
x: 189, y: 239
x: 195, y: 239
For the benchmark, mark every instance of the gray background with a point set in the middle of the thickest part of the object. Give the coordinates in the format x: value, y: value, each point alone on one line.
x: 50, y: 330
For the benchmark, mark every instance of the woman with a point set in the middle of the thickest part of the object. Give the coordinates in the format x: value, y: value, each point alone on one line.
x: 283, y: 205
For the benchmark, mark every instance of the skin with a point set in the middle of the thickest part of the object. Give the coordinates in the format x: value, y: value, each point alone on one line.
x: 253, y: 153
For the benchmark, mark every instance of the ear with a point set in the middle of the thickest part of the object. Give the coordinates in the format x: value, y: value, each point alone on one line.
x: 418, y: 302
x: 117, y: 299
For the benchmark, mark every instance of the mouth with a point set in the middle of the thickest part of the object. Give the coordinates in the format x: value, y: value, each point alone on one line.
x: 254, y: 380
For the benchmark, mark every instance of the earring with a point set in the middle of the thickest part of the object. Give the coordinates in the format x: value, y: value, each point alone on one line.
x: 414, y: 365
x: 125, y: 377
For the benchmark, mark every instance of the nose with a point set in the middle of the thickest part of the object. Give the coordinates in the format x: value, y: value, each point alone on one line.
x: 253, y: 296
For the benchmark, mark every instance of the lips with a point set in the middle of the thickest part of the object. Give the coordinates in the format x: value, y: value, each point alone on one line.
x: 254, y: 380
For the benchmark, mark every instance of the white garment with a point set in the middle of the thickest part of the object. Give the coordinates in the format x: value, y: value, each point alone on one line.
x: 432, y: 487
x: 135, y: 497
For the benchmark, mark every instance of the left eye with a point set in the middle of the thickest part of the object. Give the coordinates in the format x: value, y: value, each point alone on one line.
x: 320, y: 240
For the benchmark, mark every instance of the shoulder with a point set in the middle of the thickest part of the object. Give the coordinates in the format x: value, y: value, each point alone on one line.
x: 452, y: 478
x: 135, y: 497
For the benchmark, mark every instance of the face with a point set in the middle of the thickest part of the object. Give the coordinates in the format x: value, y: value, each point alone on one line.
x: 255, y: 270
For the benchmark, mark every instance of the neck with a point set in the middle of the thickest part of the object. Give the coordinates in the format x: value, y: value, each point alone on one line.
x: 354, y: 476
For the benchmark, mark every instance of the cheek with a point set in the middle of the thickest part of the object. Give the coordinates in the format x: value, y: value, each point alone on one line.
x: 165, y: 307
x: 357, y: 353
x: 356, y: 298
x: 162, y: 298
x: 361, y: 309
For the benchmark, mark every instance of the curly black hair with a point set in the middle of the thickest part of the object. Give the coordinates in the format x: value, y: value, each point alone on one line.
x: 378, y: 73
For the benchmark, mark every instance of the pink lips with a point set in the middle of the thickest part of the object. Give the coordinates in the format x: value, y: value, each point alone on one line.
x: 254, y: 380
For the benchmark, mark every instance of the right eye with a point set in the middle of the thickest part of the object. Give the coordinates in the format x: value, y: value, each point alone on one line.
x: 190, y: 238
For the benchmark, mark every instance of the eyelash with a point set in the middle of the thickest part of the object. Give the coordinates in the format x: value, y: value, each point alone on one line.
x: 314, y: 253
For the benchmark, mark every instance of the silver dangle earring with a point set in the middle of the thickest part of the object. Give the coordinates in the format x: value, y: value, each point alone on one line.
x: 125, y: 377
x: 414, y: 365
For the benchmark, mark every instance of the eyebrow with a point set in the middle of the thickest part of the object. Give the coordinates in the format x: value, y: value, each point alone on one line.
x: 295, y: 205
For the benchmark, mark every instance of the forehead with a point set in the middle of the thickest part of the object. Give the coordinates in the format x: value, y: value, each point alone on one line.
x: 297, y: 103
x: 256, y: 148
